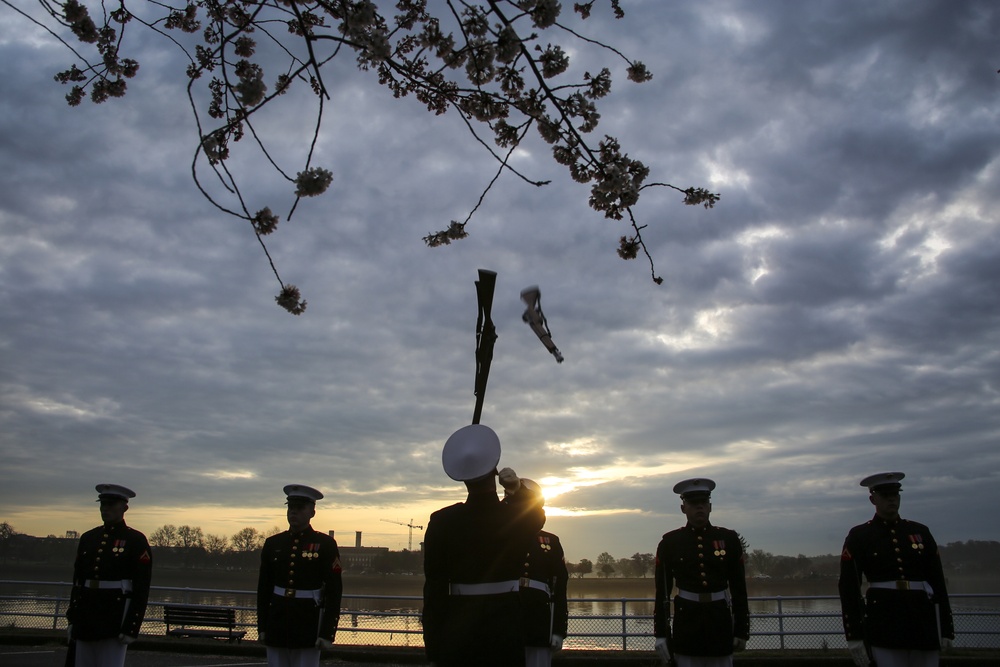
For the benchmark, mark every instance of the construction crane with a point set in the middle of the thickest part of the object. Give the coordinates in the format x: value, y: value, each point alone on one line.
x: 410, y: 525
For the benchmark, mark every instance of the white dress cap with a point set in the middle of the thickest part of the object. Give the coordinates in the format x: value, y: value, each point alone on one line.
x: 881, y: 479
x: 302, y: 492
x: 113, y: 491
x: 694, y: 487
x: 471, y: 452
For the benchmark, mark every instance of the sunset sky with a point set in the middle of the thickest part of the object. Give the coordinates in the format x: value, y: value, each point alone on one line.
x: 836, y: 314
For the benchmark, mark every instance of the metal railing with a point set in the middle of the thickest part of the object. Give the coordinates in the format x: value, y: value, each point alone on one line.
x: 615, y: 624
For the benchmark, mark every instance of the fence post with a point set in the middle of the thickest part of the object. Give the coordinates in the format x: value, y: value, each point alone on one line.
x: 624, y: 626
x: 781, y: 625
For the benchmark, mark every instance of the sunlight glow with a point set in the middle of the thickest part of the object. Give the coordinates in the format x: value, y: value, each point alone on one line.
x: 230, y: 474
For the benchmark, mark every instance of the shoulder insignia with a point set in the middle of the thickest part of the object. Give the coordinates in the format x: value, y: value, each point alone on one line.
x: 145, y: 557
x: 336, y: 566
x: 845, y: 555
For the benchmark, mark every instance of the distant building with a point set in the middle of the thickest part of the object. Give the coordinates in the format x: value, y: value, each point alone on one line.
x: 359, y: 558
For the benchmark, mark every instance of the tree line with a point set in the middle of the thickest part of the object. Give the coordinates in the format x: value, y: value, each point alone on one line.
x: 191, y: 546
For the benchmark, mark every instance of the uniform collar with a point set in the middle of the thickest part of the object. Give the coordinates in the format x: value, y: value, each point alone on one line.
x: 699, y: 530
x: 885, y: 522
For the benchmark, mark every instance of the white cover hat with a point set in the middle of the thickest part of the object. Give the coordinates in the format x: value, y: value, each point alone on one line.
x: 471, y: 452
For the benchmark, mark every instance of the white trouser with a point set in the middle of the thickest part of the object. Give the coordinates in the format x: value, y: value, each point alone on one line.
x: 537, y: 656
x: 292, y: 657
x: 102, y: 653
x: 705, y: 660
x: 901, y: 657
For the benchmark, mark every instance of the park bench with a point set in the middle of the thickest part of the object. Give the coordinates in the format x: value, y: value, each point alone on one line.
x: 201, y: 621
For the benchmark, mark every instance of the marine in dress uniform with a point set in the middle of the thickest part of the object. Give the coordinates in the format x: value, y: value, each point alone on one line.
x: 472, y: 562
x: 905, y: 613
x: 111, y: 576
x: 300, y: 587
x: 711, y: 614
x: 543, y: 582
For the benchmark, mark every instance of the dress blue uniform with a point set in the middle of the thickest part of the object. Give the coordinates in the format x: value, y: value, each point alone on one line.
x: 906, y: 608
x: 542, y: 585
x: 299, y: 590
x: 472, y: 562
x: 710, y: 609
x: 111, y: 578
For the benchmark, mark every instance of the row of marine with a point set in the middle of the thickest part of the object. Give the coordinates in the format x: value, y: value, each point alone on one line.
x: 495, y: 583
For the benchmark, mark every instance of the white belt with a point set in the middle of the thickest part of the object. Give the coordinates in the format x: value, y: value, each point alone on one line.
x: 491, y: 588
x: 124, y: 585
x: 296, y: 593
x: 531, y: 583
x: 703, y: 597
x: 903, y: 585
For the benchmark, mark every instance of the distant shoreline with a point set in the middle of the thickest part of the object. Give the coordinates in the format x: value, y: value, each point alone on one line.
x: 399, y: 584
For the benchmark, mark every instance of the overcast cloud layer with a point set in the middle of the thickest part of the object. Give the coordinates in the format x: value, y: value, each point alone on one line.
x: 836, y: 314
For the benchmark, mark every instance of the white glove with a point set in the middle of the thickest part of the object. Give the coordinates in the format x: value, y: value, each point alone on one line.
x: 662, y: 650
x: 556, y: 643
x: 509, y: 481
x: 946, y: 643
x: 739, y: 643
x: 125, y: 640
x: 260, y: 637
x: 69, y: 632
x: 324, y: 644
x: 858, y: 653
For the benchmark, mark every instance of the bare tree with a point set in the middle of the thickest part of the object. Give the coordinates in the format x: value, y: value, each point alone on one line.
x: 605, y: 565
x: 642, y: 563
x: 164, y: 536
x: 502, y: 65
x: 216, y: 545
x: 7, y: 533
x: 190, y: 536
x: 247, y: 539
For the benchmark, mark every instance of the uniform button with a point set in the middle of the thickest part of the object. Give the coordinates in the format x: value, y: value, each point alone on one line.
x: 896, y: 549
x: 294, y: 548
x: 100, y: 551
x: 701, y: 555
x: 526, y: 565
x: 290, y: 583
x: 294, y: 555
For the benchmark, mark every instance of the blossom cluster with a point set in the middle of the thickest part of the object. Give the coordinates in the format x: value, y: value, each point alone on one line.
x: 505, y: 65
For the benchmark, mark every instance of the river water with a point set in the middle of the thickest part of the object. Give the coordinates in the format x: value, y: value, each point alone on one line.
x: 616, y: 615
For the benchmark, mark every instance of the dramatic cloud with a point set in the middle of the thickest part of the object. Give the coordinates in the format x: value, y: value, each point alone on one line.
x: 836, y: 314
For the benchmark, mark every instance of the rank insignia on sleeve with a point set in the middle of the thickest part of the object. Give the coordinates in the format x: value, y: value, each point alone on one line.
x: 336, y: 565
x: 145, y: 558
x: 845, y: 555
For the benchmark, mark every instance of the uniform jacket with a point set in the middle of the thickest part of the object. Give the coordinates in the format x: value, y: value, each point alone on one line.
x: 479, y: 541
x: 544, y: 615
x: 701, y: 560
x: 110, y: 553
x: 902, y: 550
x: 304, y: 561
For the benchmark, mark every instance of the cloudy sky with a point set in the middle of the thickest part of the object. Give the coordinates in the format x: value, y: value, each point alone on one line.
x: 836, y: 314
